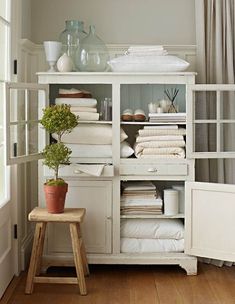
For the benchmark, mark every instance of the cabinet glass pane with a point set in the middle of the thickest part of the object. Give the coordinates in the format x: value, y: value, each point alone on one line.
x: 227, y: 137
x: 4, y: 32
x: 227, y: 105
x: 205, y: 105
x: 205, y: 143
x: 18, y: 140
x: 33, y: 137
x: 17, y: 105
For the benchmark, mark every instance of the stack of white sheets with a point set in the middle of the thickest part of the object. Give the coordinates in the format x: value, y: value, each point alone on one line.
x: 152, y: 235
x: 140, y: 198
x: 84, y: 107
x: 166, y: 141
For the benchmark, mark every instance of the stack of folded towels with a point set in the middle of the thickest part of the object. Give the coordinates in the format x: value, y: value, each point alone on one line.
x: 152, y: 235
x: 89, y: 140
x: 166, y: 141
x: 140, y: 198
x: 146, y: 50
x: 81, y: 101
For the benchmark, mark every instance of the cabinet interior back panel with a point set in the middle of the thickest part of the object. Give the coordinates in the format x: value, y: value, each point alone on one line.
x: 138, y: 96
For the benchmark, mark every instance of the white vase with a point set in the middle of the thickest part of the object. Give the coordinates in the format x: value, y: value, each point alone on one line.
x: 65, y: 63
x: 52, y: 51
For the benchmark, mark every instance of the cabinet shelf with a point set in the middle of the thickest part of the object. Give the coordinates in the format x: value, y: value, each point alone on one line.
x: 152, y: 123
x: 151, y: 216
x: 95, y: 122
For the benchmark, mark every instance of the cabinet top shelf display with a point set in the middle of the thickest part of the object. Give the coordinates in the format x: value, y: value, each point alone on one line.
x: 110, y: 77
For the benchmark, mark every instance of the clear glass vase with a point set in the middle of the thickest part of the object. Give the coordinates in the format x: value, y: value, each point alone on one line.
x: 92, y: 54
x: 71, y: 37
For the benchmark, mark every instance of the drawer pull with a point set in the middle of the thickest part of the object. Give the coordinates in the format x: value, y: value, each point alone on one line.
x: 152, y: 170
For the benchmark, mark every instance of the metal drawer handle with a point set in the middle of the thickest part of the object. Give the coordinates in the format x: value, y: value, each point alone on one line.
x: 152, y: 170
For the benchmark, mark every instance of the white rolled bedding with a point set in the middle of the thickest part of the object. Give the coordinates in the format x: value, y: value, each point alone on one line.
x: 131, y: 245
x: 152, y: 228
x: 91, y: 151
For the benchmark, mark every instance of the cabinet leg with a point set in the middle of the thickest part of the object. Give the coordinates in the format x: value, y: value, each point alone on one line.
x: 78, y: 258
x: 190, y: 266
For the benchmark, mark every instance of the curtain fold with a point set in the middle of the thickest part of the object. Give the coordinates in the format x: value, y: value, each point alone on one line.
x: 215, y: 62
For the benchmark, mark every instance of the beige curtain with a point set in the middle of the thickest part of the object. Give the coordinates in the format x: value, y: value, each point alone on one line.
x: 215, y: 35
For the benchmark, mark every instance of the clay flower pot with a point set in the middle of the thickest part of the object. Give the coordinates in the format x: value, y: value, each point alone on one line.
x: 55, y: 197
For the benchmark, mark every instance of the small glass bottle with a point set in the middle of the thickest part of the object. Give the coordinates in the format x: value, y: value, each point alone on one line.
x: 71, y: 37
x: 106, y: 109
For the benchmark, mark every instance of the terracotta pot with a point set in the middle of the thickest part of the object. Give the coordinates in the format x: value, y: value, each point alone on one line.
x: 55, y: 197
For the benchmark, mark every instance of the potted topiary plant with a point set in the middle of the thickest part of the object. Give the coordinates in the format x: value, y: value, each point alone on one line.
x: 57, y: 120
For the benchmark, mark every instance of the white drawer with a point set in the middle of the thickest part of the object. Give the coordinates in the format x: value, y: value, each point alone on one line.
x: 73, y: 171
x: 151, y: 169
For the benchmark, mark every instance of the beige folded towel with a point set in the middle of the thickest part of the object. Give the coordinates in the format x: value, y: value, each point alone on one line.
x: 95, y: 170
x: 154, y: 132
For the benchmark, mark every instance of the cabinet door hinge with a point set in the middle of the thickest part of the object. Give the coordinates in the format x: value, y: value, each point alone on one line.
x: 15, y: 67
x: 15, y: 232
x: 15, y: 149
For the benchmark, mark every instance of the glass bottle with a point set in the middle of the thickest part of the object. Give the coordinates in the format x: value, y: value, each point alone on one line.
x: 92, y: 54
x: 71, y: 37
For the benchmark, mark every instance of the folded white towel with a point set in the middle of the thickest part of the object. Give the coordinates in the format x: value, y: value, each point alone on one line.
x: 83, y: 109
x: 95, y: 170
x: 169, y: 152
x: 153, y: 132
x: 78, y: 102
x: 87, y: 116
x: 140, y: 139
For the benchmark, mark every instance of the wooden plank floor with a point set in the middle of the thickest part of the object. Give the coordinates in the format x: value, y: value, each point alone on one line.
x: 113, y: 284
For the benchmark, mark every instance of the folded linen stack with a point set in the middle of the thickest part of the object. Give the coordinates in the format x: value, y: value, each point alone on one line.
x: 82, y: 103
x: 152, y: 235
x: 167, y: 117
x: 94, y: 140
x: 146, y: 50
x: 140, y: 198
x: 160, y: 142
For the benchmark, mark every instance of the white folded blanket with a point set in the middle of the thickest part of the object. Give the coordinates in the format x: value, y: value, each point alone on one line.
x: 131, y: 245
x: 94, y: 170
x: 83, y: 109
x: 91, y: 134
x: 141, y: 202
x: 159, y: 137
x: 158, y: 144
x: 152, y: 228
x: 78, y: 102
x: 87, y: 116
x: 167, y: 152
x: 154, y: 132
x: 91, y: 151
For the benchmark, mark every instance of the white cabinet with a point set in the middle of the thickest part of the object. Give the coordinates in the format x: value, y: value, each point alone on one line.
x: 208, y: 213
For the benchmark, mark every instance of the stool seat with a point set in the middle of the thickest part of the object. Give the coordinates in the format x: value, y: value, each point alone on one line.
x: 72, y: 216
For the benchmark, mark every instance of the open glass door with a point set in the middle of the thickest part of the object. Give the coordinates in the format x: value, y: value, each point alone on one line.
x: 210, y: 208
x: 25, y: 137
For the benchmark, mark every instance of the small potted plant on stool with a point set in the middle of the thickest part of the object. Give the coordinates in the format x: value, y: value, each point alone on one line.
x: 57, y: 120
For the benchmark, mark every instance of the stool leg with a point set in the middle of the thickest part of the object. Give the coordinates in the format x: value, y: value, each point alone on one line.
x: 83, y: 252
x: 41, y: 240
x: 35, y: 255
x: 78, y: 258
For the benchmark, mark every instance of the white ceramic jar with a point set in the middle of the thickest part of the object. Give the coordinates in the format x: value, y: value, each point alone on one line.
x: 65, y: 63
x: 171, y: 202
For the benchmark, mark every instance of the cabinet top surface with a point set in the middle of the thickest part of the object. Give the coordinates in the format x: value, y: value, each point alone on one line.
x: 116, y: 74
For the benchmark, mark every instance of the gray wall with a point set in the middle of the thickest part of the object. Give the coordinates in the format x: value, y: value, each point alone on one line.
x: 26, y: 25
x: 118, y: 21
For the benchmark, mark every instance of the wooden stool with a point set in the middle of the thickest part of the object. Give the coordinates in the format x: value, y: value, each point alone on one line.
x: 73, y: 216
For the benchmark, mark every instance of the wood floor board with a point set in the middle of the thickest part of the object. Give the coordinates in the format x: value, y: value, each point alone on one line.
x: 135, y: 284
